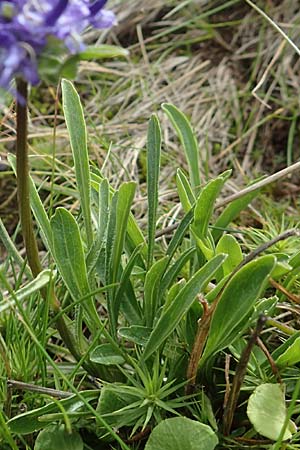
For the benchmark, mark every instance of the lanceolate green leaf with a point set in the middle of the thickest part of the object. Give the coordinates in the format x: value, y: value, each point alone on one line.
x: 29, y: 422
x: 77, y: 132
x: 181, y: 304
x: 103, y: 216
x: 236, y: 303
x: 188, y: 140
x: 186, y: 195
x: 69, y: 257
x: 68, y: 252
x: 205, y: 204
x: 120, y: 209
x: 153, y: 167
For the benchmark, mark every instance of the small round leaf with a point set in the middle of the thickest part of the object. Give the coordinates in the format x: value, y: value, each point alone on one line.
x: 180, y: 433
x: 267, y: 411
x: 52, y: 438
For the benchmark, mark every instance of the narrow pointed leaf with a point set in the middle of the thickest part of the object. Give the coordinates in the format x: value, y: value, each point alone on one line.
x: 205, y: 204
x: 153, y: 167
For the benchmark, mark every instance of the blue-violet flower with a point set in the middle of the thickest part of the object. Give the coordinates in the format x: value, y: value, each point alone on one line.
x: 27, y: 27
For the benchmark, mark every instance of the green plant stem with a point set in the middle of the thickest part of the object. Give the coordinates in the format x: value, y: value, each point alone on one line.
x: 23, y: 180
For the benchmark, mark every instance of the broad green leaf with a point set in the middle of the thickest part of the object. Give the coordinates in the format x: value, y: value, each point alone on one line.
x: 236, y: 302
x: 69, y: 257
x: 181, y: 304
x: 29, y: 422
x: 205, y: 204
x: 102, y: 51
x: 106, y: 354
x: 267, y: 411
x: 135, y: 333
x: 77, y: 131
x: 152, y: 297
x: 153, y: 168
x: 181, y: 433
x: 186, y: 195
x: 231, y: 212
x: 58, y: 437
x: 29, y: 289
x: 68, y: 253
x: 188, y: 141
x: 230, y: 246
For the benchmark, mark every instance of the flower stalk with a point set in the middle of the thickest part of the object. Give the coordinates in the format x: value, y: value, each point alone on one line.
x: 29, y: 238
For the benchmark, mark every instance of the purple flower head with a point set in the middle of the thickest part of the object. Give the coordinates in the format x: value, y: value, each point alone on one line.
x: 27, y: 25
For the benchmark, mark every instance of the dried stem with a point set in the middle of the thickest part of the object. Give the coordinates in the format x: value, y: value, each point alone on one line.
x: 200, y: 340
